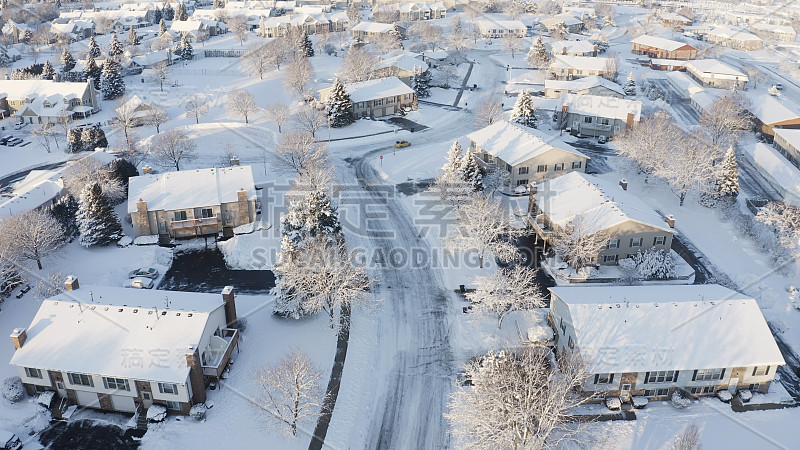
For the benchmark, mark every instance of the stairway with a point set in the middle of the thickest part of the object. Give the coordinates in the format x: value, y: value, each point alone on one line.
x: 141, y: 418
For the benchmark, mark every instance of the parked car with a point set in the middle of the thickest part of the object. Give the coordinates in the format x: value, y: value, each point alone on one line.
x: 14, y: 141
x: 602, y: 140
x: 139, y: 283
x: 401, y: 144
x: 778, y: 86
x: 9, y: 440
x: 19, y: 126
x: 147, y: 272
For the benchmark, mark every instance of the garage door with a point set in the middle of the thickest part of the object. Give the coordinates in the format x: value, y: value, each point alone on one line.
x: 122, y: 403
x: 88, y: 399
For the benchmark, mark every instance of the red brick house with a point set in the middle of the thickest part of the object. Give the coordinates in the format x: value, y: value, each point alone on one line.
x: 660, y: 48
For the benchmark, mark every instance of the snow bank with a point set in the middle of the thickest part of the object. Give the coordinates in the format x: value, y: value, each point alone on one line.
x: 254, y: 251
x: 156, y: 413
x: 613, y: 403
x: 778, y: 171
x: 146, y: 240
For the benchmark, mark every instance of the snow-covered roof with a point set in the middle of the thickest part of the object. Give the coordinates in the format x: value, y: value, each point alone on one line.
x: 683, y: 81
x: 373, y: 27
x: 769, y: 110
x: 405, y: 61
x: 583, y: 83
x: 602, y: 106
x: 672, y: 17
x: 598, y: 203
x: 363, y: 91
x: 713, y: 66
x: 187, y: 26
x: 669, y: 327
x: 501, y: 25
x: 781, y: 29
x: 792, y: 136
x: 513, y: 144
x: 36, y: 189
x: 658, y: 42
x: 778, y: 169
x: 579, y: 62
x: 97, y: 329
x: 561, y: 47
x: 734, y: 34
x: 190, y: 188
x: 19, y: 89
x: 567, y: 19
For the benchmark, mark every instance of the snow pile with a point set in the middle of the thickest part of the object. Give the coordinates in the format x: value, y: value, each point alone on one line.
x: 156, y: 413
x: 613, y: 403
x: 725, y: 396
x: 45, y: 398
x: 247, y: 228
x: 12, y: 389
x: 540, y: 333
x: 640, y: 402
x: 254, y: 251
x: 679, y: 401
x: 745, y: 395
x: 146, y: 240
x: 198, y: 411
x: 125, y: 241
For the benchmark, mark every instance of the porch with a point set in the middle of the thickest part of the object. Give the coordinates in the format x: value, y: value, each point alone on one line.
x: 216, y: 356
x: 203, y: 226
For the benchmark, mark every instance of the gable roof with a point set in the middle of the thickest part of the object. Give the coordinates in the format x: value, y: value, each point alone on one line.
x: 20, y: 89
x: 658, y: 42
x: 95, y: 328
x: 714, y: 66
x: 599, y: 203
x: 602, y: 106
x: 378, y: 88
x: 580, y: 62
x: 405, y: 61
x: 667, y: 327
x: 734, y: 34
x: 190, y: 188
x: 584, y: 83
x: 373, y: 27
x: 769, y: 110
x: 513, y: 144
x: 560, y: 47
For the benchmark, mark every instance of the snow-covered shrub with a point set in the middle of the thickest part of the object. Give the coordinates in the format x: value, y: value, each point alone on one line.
x: 156, y: 413
x: 12, y: 389
x: 679, y: 401
x: 45, y: 398
x: 725, y: 396
x: 613, y: 403
x: 640, y: 402
x: 198, y: 411
x: 745, y: 395
x: 650, y: 264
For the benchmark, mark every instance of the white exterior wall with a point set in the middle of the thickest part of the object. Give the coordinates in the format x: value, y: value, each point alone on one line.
x: 99, y: 387
x: 44, y: 381
x: 183, y: 395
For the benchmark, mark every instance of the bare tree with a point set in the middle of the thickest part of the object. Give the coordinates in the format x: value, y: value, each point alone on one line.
x: 650, y: 141
x: 784, y: 219
x: 173, y: 148
x: 9, y: 261
x: 611, y: 71
x: 515, y: 8
x: 49, y: 285
x: 278, y: 113
x: 35, y: 233
x: 726, y: 118
x: 290, y: 392
x: 276, y: 52
x: 156, y: 117
x: 241, y: 103
x: 505, y: 291
x: 239, y: 27
x: 310, y: 119
x: 428, y: 34
x: 45, y: 134
x: 690, y: 167
x: 257, y: 60
x: 196, y: 106
x: 488, y: 112
x: 297, y: 151
x: 579, y: 242
x: 358, y: 65
x: 126, y: 116
x: 513, y: 44
x: 517, y: 399
x: 298, y: 74
x: 755, y: 76
x: 483, y: 226
x: 86, y: 171
x: 688, y: 439
x: 160, y: 73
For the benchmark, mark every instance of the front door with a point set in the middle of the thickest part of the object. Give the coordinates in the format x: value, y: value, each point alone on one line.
x: 732, y: 385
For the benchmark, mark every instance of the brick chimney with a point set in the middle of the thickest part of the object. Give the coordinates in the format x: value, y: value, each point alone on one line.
x: 18, y: 337
x: 244, y: 208
x: 229, y: 298
x: 196, y: 377
x: 623, y: 183
x: 670, y: 219
x: 146, y: 170
x: 142, y: 218
x: 234, y: 160
x: 71, y: 283
x: 629, y: 120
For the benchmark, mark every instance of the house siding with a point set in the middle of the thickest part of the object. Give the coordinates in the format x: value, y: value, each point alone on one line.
x: 549, y: 159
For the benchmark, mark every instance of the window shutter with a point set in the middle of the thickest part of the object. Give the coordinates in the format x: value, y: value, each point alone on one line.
x: 105, y: 382
x: 694, y: 375
x: 646, y: 377
x: 675, y: 376
x: 767, y: 371
x: 722, y: 374
x: 754, y: 370
x: 611, y: 378
x: 160, y: 388
x: 596, y: 378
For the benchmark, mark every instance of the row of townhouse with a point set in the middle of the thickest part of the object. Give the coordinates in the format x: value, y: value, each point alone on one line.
x: 378, y: 97
x: 311, y: 24
x: 125, y: 350
x: 592, y: 85
x: 493, y: 29
x: 660, y: 48
x: 47, y: 101
x: 776, y: 32
x: 596, y: 115
x: 770, y: 114
x: 787, y: 142
x: 572, y: 23
x: 674, y: 21
x: 736, y: 38
x: 715, y: 73
x: 370, y: 31
x: 409, y: 12
x: 567, y: 67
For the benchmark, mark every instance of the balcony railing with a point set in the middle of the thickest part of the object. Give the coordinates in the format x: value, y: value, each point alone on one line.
x: 194, y: 223
x: 219, y: 353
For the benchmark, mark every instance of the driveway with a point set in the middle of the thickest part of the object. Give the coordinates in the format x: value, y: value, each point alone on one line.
x: 87, y: 435
x: 598, y: 153
x: 205, y: 271
x: 681, y: 106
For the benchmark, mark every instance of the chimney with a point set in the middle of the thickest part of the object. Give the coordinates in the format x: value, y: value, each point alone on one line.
x: 243, y: 206
x: 18, y: 337
x: 629, y: 120
x: 670, y: 219
x: 71, y: 283
x: 623, y: 183
x: 229, y: 298
x: 234, y: 160
x: 196, y: 377
x: 146, y: 170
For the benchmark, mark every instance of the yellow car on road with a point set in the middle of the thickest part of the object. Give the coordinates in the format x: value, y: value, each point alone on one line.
x: 401, y: 144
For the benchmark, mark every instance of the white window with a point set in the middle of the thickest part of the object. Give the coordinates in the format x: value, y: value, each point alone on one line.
x: 755, y: 386
x: 33, y: 373
x: 586, y: 119
x: 698, y: 390
x: 662, y: 376
x: 662, y: 392
x: 659, y: 240
x: 559, y: 166
x: 522, y: 182
x: 603, y: 378
x: 173, y: 405
x: 116, y: 383
x: 80, y: 379
x: 708, y: 374
x: 180, y: 215
x: 760, y: 371
x: 523, y: 171
x: 206, y: 212
x: 613, y: 244
x: 636, y: 242
x: 168, y: 388
x: 610, y: 258
x: 603, y: 121
x: 541, y: 168
x: 576, y: 164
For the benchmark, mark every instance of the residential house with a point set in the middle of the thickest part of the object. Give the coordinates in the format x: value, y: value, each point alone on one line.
x: 137, y: 64
x: 595, y: 115
x: 125, y: 350
x: 787, y: 142
x: 573, y: 24
x: 16, y: 32
x: 565, y: 67
x: 715, y: 73
x: 191, y: 203
x: 46, y: 101
x: 131, y: 19
x: 702, y: 100
x: 675, y: 21
x: 592, y: 85
x: 403, y: 66
x: 409, y: 12
x: 771, y: 114
x: 573, y: 48
x: 656, y: 47
x: 135, y: 109
x: 654, y: 340
x: 777, y: 32
x: 192, y: 29
x: 378, y: 97
x: 598, y: 207
x: 735, y: 38
x: 10, y: 53
x: 368, y: 31
x: 778, y: 164
x: 39, y: 189
x: 501, y: 28
x: 669, y: 65
x: 524, y: 153
x: 73, y: 29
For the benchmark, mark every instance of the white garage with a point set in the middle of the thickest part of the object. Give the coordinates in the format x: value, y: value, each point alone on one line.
x: 88, y: 399
x: 123, y: 403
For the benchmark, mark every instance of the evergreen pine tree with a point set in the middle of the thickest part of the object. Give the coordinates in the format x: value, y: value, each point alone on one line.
x: 306, y: 47
x: 162, y: 27
x: 97, y: 221
x: 87, y: 139
x: 470, y: 172
x: 311, y: 216
x: 341, y: 107
x: 728, y: 179
x: 395, y: 31
x: 64, y: 211
x: 112, y: 85
x: 185, y: 50
x: 93, y: 71
x: 180, y: 13
x: 26, y: 36
x: 524, y: 113
x: 73, y: 141
x: 114, y: 48
x: 608, y: 21
x: 67, y: 61
x: 168, y: 13
x: 47, y: 71
x: 455, y: 157
x: 420, y: 82
x: 219, y: 4
x: 94, y: 49
x: 630, y: 85
x: 157, y: 15
x: 537, y: 55
x: 133, y: 38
